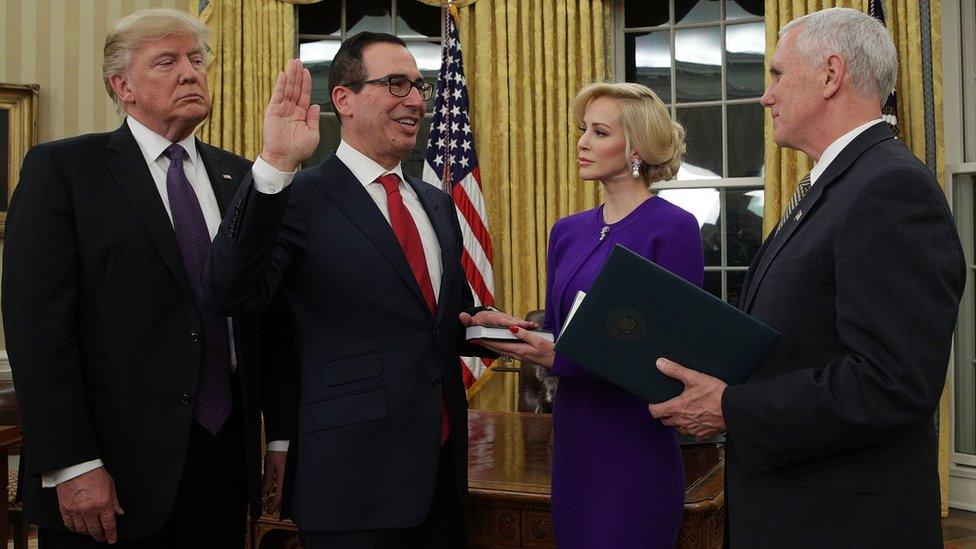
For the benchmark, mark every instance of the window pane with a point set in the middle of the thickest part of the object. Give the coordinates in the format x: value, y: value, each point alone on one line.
x: 321, y: 18
x: 428, y: 56
x: 416, y: 19
x: 368, y: 15
x: 648, y: 60
x: 738, y: 9
x: 745, y: 47
x: 713, y: 283
x: 703, y: 137
x: 964, y: 208
x: 743, y: 225
x: 645, y: 14
x: 329, y: 137
x: 413, y: 164
x: 698, y: 64
x: 317, y: 57
x: 746, y: 154
x: 695, y: 11
x: 733, y: 281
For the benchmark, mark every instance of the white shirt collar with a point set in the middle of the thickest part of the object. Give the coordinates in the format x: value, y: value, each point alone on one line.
x: 364, y: 168
x: 152, y: 144
x: 841, y: 143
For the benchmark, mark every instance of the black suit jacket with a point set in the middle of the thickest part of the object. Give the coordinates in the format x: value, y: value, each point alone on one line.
x: 375, y: 364
x: 101, y: 330
x: 832, y: 441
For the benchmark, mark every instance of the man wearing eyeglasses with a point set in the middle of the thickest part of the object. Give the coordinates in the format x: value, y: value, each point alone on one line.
x: 370, y: 261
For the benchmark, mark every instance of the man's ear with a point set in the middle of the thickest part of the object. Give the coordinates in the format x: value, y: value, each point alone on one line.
x: 835, y: 69
x: 341, y: 100
x: 121, y: 86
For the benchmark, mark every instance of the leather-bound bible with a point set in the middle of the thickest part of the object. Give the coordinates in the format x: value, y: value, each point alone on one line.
x: 636, y: 312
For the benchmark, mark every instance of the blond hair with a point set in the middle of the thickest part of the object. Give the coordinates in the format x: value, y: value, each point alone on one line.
x: 647, y: 126
x: 135, y: 31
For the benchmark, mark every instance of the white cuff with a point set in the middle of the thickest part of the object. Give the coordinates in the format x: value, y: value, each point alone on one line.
x: 278, y: 445
x: 51, y: 479
x: 267, y: 178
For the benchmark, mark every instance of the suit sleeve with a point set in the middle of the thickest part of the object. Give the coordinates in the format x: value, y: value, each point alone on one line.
x: 257, y: 242
x: 280, y: 371
x: 899, y: 275
x: 40, y: 304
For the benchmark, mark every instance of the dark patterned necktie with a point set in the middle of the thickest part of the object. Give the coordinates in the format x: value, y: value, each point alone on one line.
x: 801, y: 191
x: 214, y: 401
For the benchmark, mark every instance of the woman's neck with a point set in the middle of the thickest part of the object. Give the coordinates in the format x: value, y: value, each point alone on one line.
x: 624, y: 195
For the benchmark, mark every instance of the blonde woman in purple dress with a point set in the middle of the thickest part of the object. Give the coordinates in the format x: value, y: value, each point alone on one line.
x: 617, y: 478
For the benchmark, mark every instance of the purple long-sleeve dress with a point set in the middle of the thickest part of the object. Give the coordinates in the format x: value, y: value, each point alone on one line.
x: 617, y: 475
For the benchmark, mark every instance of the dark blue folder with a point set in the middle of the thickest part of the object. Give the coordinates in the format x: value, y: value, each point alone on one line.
x: 637, y: 311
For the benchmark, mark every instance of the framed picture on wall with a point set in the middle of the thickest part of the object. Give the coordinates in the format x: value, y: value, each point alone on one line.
x: 18, y: 133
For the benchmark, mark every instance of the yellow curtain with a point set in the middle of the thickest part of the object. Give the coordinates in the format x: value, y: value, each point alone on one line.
x: 251, y: 41
x: 784, y: 167
x: 524, y: 61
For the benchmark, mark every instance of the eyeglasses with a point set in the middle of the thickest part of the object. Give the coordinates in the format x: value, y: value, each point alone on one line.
x: 400, y: 85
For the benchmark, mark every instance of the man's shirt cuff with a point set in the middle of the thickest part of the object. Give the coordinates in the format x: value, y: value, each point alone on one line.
x: 267, y: 178
x: 57, y: 476
x: 278, y: 445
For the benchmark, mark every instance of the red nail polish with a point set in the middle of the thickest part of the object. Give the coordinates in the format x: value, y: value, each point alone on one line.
x: 513, y: 329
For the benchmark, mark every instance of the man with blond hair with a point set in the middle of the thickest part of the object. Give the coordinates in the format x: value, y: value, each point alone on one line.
x: 140, y: 409
x: 831, y: 442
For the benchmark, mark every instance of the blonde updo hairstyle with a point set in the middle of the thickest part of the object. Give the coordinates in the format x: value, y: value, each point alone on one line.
x: 647, y: 126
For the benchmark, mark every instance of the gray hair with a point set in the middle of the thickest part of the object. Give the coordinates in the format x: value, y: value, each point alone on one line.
x: 860, y: 39
x: 138, y: 29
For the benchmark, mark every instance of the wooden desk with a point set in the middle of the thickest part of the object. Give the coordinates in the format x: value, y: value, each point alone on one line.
x: 9, y: 436
x: 509, y: 458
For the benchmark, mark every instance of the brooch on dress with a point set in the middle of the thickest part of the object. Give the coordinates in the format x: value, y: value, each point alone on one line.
x: 604, y: 231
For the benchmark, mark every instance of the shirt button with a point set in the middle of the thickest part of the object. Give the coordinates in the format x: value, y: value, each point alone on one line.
x: 194, y: 336
x: 185, y: 398
x: 436, y: 382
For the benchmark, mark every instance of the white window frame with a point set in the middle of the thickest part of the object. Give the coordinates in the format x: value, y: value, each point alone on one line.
x: 722, y: 183
x: 959, y: 89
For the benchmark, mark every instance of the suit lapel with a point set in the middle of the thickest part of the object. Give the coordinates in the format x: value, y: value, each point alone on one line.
x: 441, y: 222
x: 348, y: 194
x: 128, y: 168
x: 807, y: 207
x: 221, y: 178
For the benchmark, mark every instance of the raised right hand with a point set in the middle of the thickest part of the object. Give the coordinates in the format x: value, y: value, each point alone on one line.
x: 291, y: 123
x: 89, y: 504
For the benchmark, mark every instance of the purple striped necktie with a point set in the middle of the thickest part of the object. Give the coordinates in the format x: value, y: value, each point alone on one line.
x: 213, y: 401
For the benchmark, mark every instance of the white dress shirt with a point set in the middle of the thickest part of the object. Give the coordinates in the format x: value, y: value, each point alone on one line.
x: 831, y: 152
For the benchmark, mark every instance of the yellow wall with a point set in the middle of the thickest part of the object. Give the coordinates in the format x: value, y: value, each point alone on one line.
x: 58, y: 45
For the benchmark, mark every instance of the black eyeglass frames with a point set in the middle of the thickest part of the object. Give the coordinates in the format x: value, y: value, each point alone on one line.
x: 400, y: 85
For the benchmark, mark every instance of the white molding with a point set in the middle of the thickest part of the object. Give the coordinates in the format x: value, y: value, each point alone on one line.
x: 962, y: 488
x: 5, y: 373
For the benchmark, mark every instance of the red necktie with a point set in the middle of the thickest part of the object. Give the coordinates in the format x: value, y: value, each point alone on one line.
x: 409, y: 238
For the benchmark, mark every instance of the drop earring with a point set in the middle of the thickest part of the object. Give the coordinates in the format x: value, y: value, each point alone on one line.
x: 635, y: 168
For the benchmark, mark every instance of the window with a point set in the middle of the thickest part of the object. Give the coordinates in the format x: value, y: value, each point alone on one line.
x: 959, y: 87
x: 323, y: 26
x: 705, y: 60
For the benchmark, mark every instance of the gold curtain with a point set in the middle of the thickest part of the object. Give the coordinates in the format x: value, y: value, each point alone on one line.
x: 251, y: 41
x: 524, y: 61
x: 784, y: 167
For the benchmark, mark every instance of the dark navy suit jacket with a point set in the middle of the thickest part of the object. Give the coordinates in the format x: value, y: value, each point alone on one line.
x: 375, y: 365
x: 832, y: 441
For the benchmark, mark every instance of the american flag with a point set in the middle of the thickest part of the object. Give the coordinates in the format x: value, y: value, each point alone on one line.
x: 451, y: 159
x: 889, y: 111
